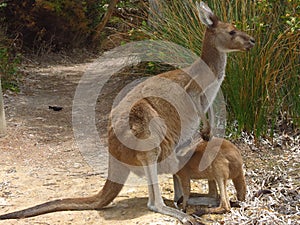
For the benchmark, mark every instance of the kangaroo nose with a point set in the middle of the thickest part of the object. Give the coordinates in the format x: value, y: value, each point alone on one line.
x: 252, y: 41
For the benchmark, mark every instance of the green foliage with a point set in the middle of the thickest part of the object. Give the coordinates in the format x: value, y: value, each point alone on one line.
x: 9, y: 61
x: 259, y: 85
x: 9, y: 69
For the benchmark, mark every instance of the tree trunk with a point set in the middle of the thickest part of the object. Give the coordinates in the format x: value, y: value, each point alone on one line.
x: 110, y: 10
x: 2, y: 115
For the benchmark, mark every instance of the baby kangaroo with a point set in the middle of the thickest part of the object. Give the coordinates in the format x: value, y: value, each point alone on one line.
x: 227, y: 164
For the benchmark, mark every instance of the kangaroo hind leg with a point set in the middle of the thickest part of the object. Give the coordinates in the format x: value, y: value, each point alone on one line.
x: 155, y: 201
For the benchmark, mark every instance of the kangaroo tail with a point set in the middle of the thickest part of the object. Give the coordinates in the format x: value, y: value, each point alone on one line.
x: 108, y: 193
x: 98, y: 201
x: 240, y: 186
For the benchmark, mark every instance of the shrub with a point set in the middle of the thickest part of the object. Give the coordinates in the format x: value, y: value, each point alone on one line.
x: 53, y: 24
x: 9, y: 61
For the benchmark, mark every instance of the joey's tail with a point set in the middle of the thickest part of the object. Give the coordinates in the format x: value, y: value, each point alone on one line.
x: 240, y: 186
x: 108, y: 193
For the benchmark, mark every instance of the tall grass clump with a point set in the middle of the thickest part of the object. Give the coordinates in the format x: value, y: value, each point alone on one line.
x: 262, y: 87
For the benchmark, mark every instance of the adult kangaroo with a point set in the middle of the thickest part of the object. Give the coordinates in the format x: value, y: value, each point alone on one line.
x: 145, y: 138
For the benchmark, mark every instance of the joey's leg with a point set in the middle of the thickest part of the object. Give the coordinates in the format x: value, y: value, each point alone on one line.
x: 224, y: 201
x: 204, y: 199
x: 177, y: 190
x: 210, y: 199
x: 155, y: 201
x: 212, y: 189
x: 186, y: 189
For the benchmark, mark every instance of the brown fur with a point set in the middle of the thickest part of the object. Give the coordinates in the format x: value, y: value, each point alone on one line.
x: 142, y: 113
x: 227, y: 164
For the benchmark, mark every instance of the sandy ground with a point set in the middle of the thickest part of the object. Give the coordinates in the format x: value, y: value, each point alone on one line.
x: 40, y: 161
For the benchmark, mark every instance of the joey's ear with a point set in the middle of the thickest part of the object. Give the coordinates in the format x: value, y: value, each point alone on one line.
x: 206, y: 15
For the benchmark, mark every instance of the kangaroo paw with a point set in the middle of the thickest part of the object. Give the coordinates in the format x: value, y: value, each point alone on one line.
x: 206, y: 135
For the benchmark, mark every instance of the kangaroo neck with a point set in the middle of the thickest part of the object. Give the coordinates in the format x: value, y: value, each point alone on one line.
x: 215, y: 59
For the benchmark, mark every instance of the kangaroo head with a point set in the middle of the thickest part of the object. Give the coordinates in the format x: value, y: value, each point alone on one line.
x: 223, y: 36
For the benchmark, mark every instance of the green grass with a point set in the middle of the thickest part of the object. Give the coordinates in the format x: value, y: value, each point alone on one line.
x: 260, y: 85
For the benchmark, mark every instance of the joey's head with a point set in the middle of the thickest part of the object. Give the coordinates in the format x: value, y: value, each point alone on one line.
x: 223, y: 36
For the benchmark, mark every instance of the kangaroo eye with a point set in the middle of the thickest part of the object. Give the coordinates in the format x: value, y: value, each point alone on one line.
x: 233, y: 32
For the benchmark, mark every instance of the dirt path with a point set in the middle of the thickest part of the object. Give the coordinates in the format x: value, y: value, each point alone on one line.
x: 39, y: 161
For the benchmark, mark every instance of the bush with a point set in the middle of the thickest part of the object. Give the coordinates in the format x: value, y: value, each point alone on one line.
x: 261, y: 85
x: 46, y: 25
x: 9, y: 62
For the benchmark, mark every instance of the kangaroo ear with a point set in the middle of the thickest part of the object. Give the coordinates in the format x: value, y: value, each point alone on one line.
x: 206, y: 15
